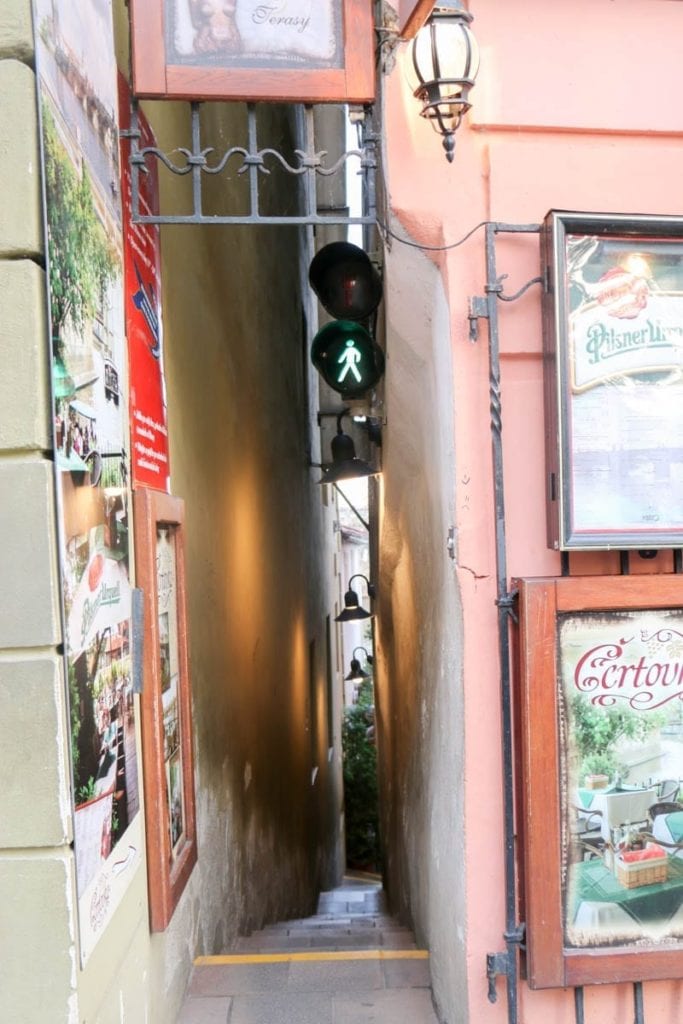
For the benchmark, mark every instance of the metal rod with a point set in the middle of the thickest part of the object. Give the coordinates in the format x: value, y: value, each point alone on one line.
x: 310, y: 185
x: 352, y: 507
x: 513, y: 932
x: 196, y: 170
x: 639, y: 1017
x: 503, y: 621
x: 134, y: 150
x: 578, y: 1006
x: 253, y: 169
x: 207, y: 219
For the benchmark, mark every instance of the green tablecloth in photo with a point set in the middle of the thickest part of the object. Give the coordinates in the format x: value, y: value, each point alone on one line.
x: 591, y: 880
x: 587, y: 796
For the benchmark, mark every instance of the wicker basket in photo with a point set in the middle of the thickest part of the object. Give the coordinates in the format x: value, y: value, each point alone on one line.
x: 647, y: 871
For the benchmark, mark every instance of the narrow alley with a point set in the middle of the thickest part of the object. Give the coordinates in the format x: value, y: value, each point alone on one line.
x: 351, y: 963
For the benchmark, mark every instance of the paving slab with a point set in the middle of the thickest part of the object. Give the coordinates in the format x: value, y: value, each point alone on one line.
x: 236, y: 979
x: 335, y: 976
x: 282, y: 1008
x: 397, y: 1006
x: 204, y: 1010
x: 406, y: 973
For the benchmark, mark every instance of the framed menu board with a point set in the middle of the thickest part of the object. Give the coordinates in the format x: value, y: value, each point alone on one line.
x: 168, y: 764
x: 280, y: 50
x: 613, y: 357
x: 600, y: 688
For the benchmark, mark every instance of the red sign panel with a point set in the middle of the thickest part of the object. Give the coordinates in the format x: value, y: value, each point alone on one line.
x: 149, y: 434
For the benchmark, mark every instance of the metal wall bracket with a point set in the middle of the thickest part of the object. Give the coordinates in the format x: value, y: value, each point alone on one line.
x: 504, y: 964
x: 496, y: 966
x: 477, y: 308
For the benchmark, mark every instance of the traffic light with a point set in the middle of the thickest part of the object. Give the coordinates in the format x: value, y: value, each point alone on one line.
x: 349, y: 288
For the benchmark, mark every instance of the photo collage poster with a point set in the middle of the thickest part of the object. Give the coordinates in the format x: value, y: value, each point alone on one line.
x: 81, y: 163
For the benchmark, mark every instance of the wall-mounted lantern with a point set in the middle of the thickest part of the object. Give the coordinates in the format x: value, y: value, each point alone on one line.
x: 445, y: 62
x: 358, y: 673
x: 352, y: 607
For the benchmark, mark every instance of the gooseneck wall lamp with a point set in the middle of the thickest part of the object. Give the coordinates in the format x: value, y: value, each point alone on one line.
x: 357, y: 674
x: 345, y: 464
x: 352, y: 607
x: 445, y: 62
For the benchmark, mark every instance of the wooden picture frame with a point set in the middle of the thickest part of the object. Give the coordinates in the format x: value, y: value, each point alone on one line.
x: 252, y: 51
x: 592, y: 649
x: 168, y: 762
x: 613, y: 362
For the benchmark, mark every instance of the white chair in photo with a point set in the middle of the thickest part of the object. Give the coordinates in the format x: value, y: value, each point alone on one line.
x: 621, y: 809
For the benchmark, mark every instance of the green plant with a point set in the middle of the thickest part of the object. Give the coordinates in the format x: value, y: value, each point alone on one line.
x: 86, y: 792
x: 600, y: 764
x: 81, y: 261
x: 598, y: 731
x: 75, y: 716
x: 360, y: 783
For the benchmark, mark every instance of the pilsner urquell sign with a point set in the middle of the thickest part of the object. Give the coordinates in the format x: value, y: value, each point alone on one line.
x: 614, y: 361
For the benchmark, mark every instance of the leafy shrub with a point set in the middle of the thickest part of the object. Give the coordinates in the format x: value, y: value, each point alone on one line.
x: 360, y: 783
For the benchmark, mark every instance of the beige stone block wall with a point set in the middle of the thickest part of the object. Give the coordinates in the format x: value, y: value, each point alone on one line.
x: 21, y: 231
x: 37, y: 966
x: 24, y: 398
x: 37, y: 921
x: 29, y: 615
x: 34, y: 800
x: 16, y: 30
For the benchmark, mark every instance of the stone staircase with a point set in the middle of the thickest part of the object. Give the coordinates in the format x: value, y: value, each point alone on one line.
x: 350, y: 963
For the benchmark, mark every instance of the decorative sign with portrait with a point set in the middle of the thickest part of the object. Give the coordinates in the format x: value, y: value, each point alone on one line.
x: 281, y: 50
x: 601, y: 687
x: 166, y: 702
x: 613, y: 331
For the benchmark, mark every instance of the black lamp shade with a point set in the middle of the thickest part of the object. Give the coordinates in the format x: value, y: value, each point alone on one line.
x: 345, y: 464
x: 356, y: 675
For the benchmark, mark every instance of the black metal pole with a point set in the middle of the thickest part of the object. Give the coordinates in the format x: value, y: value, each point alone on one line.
x: 513, y: 932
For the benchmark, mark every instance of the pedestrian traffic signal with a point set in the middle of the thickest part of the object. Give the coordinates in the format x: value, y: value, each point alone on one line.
x: 347, y: 357
x: 343, y: 351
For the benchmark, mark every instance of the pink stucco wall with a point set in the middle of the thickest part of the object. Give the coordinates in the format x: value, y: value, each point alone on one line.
x: 577, y: 107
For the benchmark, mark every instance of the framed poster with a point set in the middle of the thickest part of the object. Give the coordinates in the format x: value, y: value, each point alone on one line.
x: 613, y: 340
x: 168, y: 764
x: 307, y: 51
x: 601, y: 824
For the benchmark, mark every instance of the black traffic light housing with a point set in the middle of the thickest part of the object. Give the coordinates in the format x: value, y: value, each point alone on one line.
x: 349, y: 288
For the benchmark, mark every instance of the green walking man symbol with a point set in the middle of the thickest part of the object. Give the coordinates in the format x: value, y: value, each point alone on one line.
x: 350, y: 359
